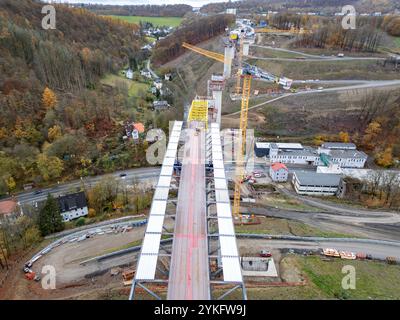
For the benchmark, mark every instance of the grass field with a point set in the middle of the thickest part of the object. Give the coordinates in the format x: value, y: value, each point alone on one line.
x: 133, y: 86
x: 374, y: 280
x: 343, y: 70
x: 288, y: 227
x: 156, y: 21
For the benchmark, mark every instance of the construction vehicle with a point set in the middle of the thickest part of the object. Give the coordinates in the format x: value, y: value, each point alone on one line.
x: 265, y: 254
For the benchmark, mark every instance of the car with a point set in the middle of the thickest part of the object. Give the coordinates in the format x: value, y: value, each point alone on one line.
x: 265, y: 254
x: 38, y: 192
x: 122, y: 175
x: 320, y: 88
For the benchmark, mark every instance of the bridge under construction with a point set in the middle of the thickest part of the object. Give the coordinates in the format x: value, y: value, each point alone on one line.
x: 204, y: 253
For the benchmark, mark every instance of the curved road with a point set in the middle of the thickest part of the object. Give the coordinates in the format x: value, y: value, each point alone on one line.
x: 312, y: 57
x: 363, y: 85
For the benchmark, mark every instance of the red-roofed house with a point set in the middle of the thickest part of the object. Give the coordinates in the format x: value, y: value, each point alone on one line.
x: 139, y: 127
x: 9, y: 210
x: 278, y: 172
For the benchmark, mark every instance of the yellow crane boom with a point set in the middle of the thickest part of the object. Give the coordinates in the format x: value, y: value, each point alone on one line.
x: 213, y: 55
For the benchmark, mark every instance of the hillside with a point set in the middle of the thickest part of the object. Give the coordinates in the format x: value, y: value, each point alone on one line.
x: 55, y: 115
x: 326, y: 6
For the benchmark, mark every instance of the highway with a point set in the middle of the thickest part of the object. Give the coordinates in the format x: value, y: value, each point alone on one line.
x: 189, y: 277
x: 139, y: 175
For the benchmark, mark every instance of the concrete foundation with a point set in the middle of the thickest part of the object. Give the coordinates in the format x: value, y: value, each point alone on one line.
x: 258, y: 267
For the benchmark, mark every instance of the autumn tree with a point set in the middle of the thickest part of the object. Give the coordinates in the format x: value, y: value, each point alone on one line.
x: 344, y: 137
x: 50, y: 167
x: 49, y: 98
x: 54, y: 133
x: 385, y: 158
x: 372, y: 131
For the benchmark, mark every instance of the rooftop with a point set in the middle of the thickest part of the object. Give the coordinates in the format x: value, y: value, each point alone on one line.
x: 72, y: 201
x: 306, y: 152
x: 339, y: 145
x: 348, y: 154
x: 7, y: 206
x: 277, y: 165
x: 317, y: 179
x: 281, y: 145
x: 139, y: 127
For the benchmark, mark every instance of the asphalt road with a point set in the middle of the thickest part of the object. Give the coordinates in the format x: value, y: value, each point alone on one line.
x: 310, y: 57
x: 362, y: 85
x: 139, y: 175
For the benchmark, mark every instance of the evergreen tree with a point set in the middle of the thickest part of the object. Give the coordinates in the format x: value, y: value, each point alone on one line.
x: 50, y: 219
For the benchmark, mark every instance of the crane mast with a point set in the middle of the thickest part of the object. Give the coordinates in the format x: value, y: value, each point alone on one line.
x: 247, y: 74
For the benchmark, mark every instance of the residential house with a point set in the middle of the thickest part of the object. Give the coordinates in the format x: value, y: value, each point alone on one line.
x: 278, y: 172
x: 160, y: 105
x: 9, y: 210
x: 73, y: 206
x: 129, y: 74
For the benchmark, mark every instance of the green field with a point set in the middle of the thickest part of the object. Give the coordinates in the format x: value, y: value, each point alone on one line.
x: 134, y: 87
x: 156, y: 21
x: 374, y: 281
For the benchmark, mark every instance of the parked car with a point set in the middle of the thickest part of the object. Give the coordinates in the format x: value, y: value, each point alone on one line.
x: 265, y: 254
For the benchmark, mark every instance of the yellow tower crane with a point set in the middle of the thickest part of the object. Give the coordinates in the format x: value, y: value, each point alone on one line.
x: 246, y: 89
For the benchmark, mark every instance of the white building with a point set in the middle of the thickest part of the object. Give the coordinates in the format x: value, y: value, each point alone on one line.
x: 312, y: 183
x: 129, y: 74
x: 278, y: 172
x: 345, y: 155
x: 307, y: 156
x: 73, y: 206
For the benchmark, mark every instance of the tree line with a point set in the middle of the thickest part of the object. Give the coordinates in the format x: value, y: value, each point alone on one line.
x: 165, y: 10
x: 193, y: 32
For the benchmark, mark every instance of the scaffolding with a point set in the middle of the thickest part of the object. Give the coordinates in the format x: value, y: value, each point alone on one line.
x: 199, y: 111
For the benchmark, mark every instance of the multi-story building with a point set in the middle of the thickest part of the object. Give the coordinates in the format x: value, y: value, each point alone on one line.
x: 345, y: 155
x: 312, y: 183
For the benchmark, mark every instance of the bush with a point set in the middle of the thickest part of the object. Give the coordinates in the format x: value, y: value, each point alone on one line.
x: 92, y: 213
x: 80, y: 222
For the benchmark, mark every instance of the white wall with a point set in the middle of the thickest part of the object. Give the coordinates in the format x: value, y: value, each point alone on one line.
x: 280, y: 175
x: 313, y: 190
x: 74, y: 214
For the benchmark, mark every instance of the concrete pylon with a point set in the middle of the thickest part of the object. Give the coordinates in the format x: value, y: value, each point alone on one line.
x: 215, y: 87
x: 246, y: 48
x: 229, y: 52
x: 217, y: 95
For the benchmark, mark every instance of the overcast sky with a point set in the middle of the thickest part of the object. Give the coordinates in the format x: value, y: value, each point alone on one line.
x: 193, y: 3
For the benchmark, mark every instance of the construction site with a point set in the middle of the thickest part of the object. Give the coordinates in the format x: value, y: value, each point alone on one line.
x: 187, y: 248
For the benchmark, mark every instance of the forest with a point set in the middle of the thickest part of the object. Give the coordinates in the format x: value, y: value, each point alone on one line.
x: 192, y: 32
x: 325, y: 6
x: 57, y: 120
x: 175, y: 10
